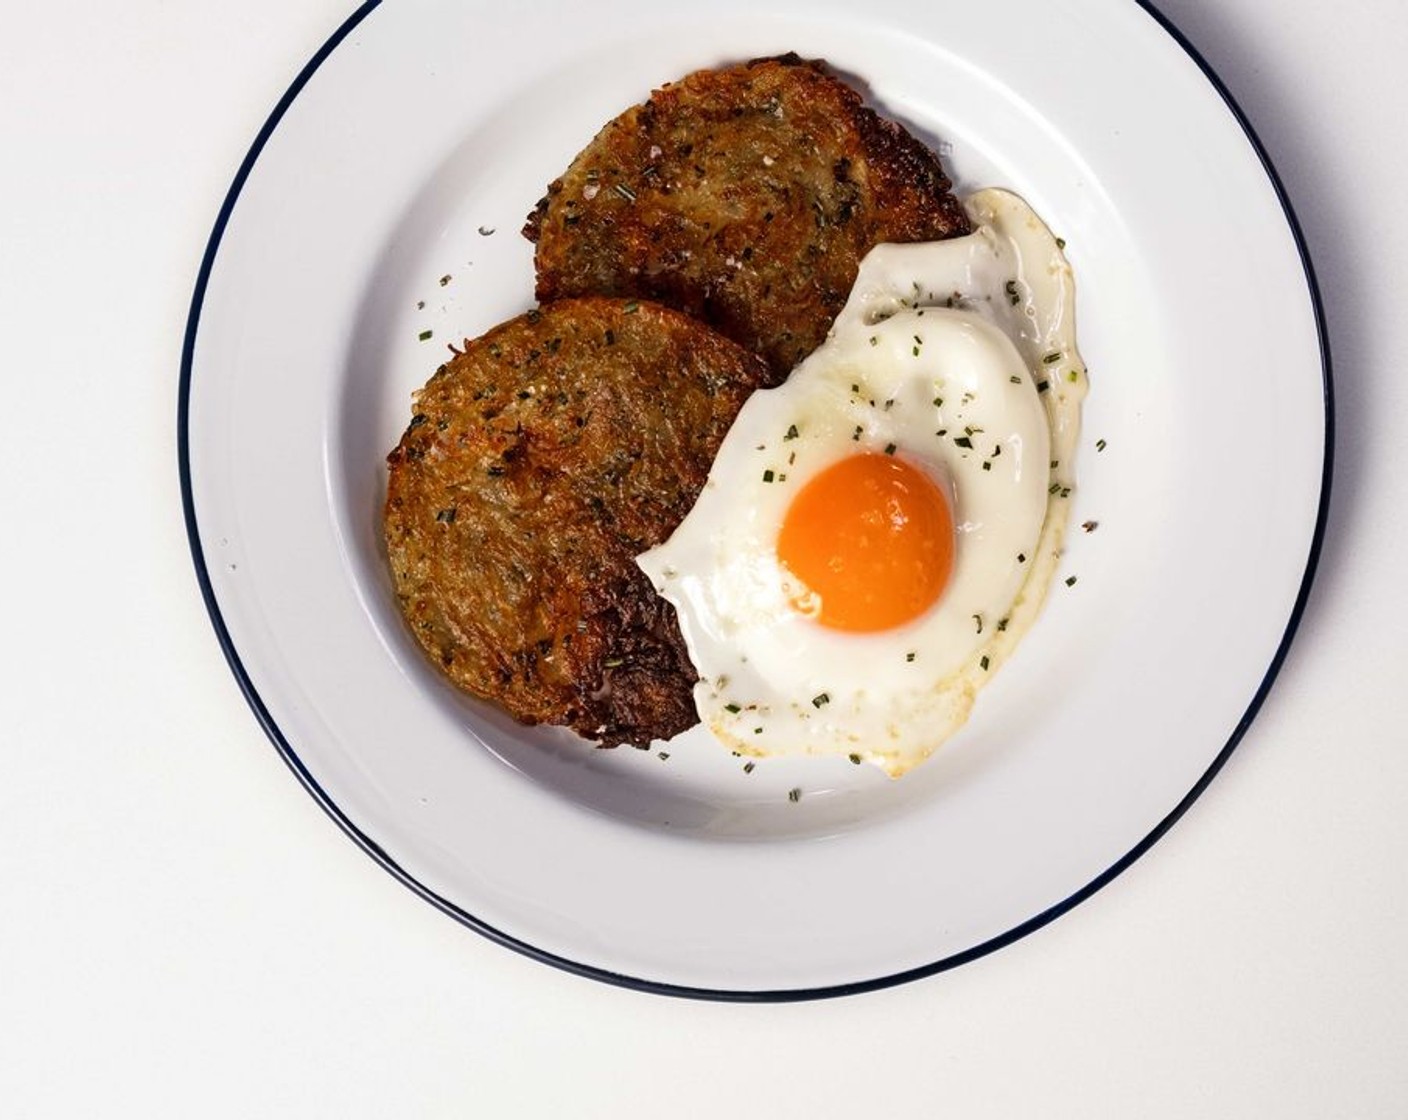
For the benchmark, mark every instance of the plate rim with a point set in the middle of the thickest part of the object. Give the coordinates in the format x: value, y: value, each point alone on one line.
x: 763, y: 995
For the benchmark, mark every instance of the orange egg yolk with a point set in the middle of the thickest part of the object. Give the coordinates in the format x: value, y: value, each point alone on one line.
x: 871, y: 538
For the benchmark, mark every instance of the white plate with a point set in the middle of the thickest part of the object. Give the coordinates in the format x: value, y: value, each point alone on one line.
x: 421, y: 127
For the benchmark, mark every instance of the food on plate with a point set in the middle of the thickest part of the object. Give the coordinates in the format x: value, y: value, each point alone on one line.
x: 877, y: 533
x: 744, y: 196
x: 538, y: 463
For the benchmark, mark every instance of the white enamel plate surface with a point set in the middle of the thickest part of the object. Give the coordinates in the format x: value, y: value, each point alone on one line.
x: 412, y: 148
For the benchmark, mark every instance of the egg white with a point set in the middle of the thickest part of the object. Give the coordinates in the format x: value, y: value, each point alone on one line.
x: 960, y: 358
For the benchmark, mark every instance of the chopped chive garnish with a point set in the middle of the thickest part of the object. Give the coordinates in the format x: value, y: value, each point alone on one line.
x: 445, y: 279
x: 613, y: 662
x: 664, y: 755
x: 1099, y: 445
x: 1051, y: 358
x: 1042, y: 386
x: 1001, y: 625
x: 889, y: 449
x: 625, y: 192
x: 987, y: 464
x: 1089, y: 526
x: 1073, y: 376
x: 748, y: 767
x: 979, y: 620
x: 856, y: 434
x: 909, y: 656
x: 938, y: 402
x: 918, y: 341
x: 1015, y: 379
x: 984, y: 662
x: 794, y: 795
x: 447, y: 515
x: 757, y: 731
x: 732, y: 708
x: 791, y: 432
x: 1060, y: 243
x: 1021, y: 557
x: 1053, y: 488
x: 820, y: 699
x: 424, y: 335
x: 1070, y: 581
x: 916, y: 351
x: 874, y: 341
x: 1011, y: 289
x: 963, y: 441
x: 768, y: 476
x: 631, y: 308
x: 855, y: 759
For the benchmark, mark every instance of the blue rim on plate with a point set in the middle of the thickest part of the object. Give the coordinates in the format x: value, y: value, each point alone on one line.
x: 290, y: 755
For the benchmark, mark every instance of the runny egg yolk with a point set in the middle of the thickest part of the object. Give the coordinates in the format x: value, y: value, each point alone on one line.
x: 871, y: 540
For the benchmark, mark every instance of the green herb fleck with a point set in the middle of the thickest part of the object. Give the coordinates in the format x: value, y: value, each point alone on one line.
x: 631, y: 308
x: 732, y: 708
x: 979, y: 620
x: 794, y: 795
x: 613, y: 662
x: 909, y: 656
x: 855, y: 759
x: 889, y: 449
x: 445, y: 279
x: 987, y: 464
x: 1042, y: 386
x: 1070, y: 581
x: 748, y: 767
x: 820, y: 700
x: 1060, y: 243
x: 984, y: 662
x: 425, y: 335
x: 768, y: 476
x: 963, y: 441
x: 1089, y: 526
x: 447, y: 516
x: 625, y: 192
x: 874, y: 341
x: 1099, y: 445
x: 1011, y: 289
x: 792, y: 432
x: 1051, y: 358
x: 1001, y: 625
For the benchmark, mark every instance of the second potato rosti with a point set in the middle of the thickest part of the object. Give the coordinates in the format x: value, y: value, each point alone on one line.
x: 744, y: 196
x: 538, y: 464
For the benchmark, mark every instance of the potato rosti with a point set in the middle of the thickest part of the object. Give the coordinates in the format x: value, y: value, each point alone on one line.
x: 539, y: 462
x: 745, y: 197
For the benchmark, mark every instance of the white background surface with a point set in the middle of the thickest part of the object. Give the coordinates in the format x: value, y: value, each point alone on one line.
x: 185, y: 933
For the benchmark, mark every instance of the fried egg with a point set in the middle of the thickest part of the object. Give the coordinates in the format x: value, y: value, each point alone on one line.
x: 876, y: 533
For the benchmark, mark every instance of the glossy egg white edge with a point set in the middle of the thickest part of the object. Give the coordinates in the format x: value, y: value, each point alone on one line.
x: 960, y: 358
x: 392, y: 163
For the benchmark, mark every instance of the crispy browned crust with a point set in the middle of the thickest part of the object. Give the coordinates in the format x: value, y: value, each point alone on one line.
x: 538, y: 464
x: 746, y: 197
